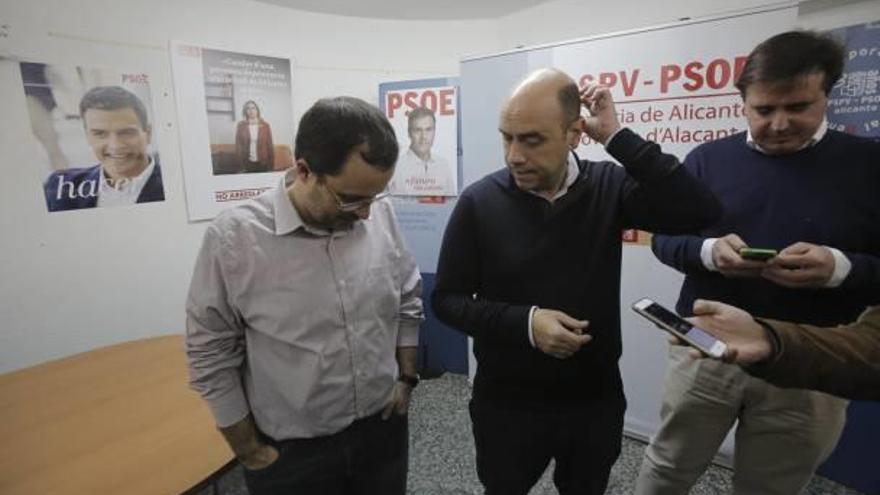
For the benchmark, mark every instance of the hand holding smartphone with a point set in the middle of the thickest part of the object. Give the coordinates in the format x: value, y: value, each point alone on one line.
x: 681, y: 328
x: 756, y: 254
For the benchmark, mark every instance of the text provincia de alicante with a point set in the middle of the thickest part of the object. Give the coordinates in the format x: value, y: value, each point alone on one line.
x: 680, y: 113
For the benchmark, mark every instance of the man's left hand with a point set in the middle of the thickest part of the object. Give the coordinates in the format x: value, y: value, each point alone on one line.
x: 746, y: 341
x: 601, y: 122
x: 399, y: 404
x: 800, y: 266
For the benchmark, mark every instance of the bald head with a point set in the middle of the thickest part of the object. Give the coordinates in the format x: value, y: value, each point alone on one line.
x: 554, y: 90
x: 540, y: 125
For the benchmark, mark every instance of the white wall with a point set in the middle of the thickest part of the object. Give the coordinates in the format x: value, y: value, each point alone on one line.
x: 571, y: 19
x: 830, y: 14
x: 73, y: 281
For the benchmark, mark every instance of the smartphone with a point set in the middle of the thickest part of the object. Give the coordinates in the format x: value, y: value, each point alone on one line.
x: 756, y: 254
x: 680, y: 327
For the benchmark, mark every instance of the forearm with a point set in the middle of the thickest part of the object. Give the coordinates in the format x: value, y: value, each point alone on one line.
x: 681, y: 252
x: 214, y: 338
x: 643, y: 160
x: 411, y: 312
x: 664, y: 196
x: 214, y: 361
x: 407, y: 360
x: 864, y: 275
x: 456, y: 298
x: 243, y: 438
x: 844, y: 361
x: 482, y: 319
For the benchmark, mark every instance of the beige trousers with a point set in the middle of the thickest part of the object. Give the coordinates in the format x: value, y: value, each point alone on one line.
x: 781, y: 438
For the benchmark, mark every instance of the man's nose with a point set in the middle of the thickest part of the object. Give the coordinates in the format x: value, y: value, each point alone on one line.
x: 779, y: 122
x: 114, y: 141
x: 514, y: 154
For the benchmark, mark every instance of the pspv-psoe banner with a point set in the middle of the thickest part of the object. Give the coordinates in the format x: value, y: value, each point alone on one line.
x: 854, y: 102
x: 673, y: 85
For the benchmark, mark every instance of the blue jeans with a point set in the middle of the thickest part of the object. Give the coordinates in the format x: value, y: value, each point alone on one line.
x: 368, y: 457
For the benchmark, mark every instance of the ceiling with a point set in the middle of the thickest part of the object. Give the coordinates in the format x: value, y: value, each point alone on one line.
x: 412, y: 9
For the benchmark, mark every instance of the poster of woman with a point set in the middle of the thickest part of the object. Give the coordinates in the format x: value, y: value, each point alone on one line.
x: 236, y: 124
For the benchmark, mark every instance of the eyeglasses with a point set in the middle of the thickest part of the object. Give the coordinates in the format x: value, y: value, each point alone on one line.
x: 349, y: 206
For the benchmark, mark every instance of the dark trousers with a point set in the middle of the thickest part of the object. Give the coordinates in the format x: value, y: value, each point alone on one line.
x: 515, y: 446
x: 367, y: 458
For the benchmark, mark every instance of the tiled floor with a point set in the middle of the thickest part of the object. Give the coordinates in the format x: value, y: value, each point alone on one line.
x: 442, y: 452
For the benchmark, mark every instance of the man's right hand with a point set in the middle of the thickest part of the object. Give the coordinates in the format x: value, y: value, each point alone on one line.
x: 725, y: 254
x: 558, y: 334
x: 261, y: 458
x: 245, y: 442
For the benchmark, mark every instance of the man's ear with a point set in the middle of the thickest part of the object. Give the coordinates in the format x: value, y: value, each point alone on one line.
x: 302, y: 169
x: 575, y: 131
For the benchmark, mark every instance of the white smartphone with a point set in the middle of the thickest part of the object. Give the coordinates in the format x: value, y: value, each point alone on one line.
x: 681, y: 328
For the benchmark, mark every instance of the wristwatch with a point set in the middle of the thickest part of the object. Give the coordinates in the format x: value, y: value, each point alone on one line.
x: 411, y: 380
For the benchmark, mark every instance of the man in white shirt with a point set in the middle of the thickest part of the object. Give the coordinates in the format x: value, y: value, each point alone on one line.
x: 303, y: 316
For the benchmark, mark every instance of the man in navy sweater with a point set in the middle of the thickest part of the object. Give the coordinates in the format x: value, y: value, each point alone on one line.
x: 790, y: 184
x: 530, y: 268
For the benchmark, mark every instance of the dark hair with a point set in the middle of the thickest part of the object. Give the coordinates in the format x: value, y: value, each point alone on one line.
x: 333, y: 127
x: 789, y: 55
x: 244, y: 109
x: 570, y: 102
x: 113, y: 98
x: 419, y: 113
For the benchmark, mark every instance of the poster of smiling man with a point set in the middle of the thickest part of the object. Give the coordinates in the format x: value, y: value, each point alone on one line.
x: 93, y: 129
x: 425, y: 119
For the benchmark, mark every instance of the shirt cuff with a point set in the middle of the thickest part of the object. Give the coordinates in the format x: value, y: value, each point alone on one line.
x: 706, y: 254
x: 408, y: 334
x: 764, y: 367
x: 772, y: 337
x: 611, y: 137
x: 842, y: 267
x: 229, y: 408
x: 531, y: 330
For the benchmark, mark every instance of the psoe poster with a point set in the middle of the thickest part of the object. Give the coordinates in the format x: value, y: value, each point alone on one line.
x: 93, y: 133
x: 236, y: 124
x: 854, y: 102
x: 425, y: 119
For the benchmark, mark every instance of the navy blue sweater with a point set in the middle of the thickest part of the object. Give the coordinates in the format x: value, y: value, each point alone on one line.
x: 826, y: 194
x: 505, y: 250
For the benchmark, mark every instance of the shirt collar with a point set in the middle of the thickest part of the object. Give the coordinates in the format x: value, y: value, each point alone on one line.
x: 571, y: 174
x: 820, y: 133
x: 287, y: 219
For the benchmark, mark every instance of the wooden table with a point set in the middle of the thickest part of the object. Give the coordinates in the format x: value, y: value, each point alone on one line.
x: 120, y: 419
